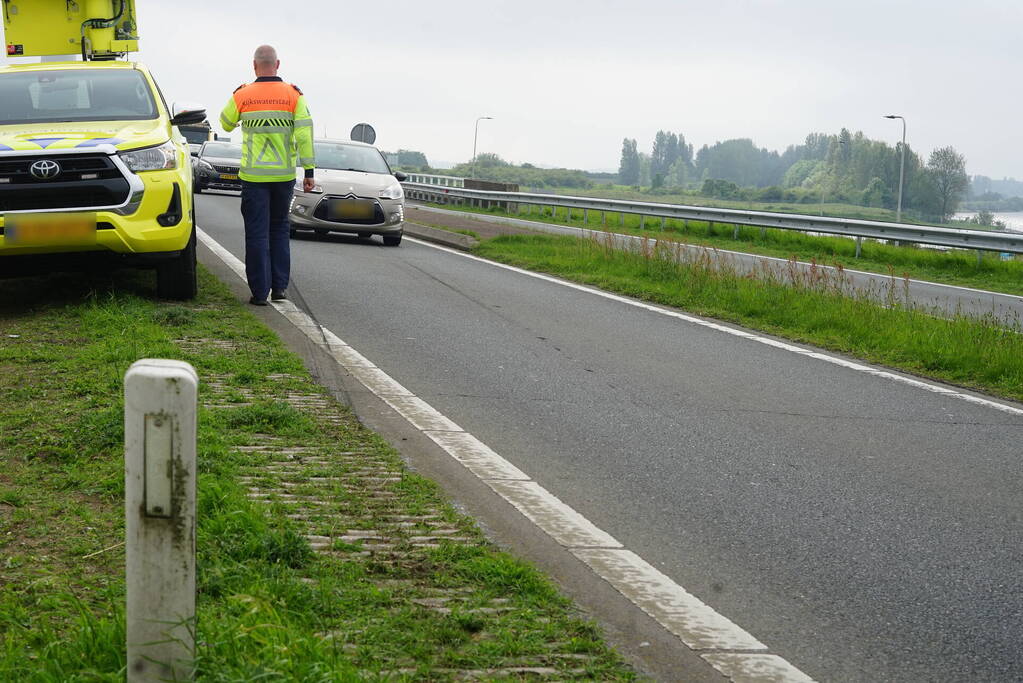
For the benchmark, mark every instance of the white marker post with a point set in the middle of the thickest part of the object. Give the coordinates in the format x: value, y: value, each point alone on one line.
x: 159, y: 498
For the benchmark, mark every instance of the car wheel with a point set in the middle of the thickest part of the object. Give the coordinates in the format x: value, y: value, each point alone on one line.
x: 176, y: 278
x: 322, y: 232
x: 392, y: 240
x: 198, y: 189
x: 365, y: 235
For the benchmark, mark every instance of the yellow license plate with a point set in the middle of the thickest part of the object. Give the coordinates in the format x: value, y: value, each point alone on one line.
x: 225, y: 176
x: 49, y: 229
x: 351, y: 209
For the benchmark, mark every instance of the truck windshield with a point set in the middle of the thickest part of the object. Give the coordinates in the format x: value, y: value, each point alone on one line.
x: 342, y: 157
x: 195, y: 135
x: 75, y: 95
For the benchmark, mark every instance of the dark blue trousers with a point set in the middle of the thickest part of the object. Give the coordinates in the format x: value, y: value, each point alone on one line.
x: 265, y: 208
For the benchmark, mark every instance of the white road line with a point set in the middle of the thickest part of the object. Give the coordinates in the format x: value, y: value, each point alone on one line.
x: 695, y: 623
x: 685, y: 615
x: 735, y: 332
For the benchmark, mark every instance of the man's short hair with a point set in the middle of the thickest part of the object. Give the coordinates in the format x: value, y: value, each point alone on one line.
x: 265, y: 54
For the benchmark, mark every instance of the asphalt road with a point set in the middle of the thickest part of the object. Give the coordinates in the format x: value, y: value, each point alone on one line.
x: 864, y: 529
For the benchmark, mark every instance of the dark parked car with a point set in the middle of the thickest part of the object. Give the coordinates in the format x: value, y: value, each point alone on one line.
x: 216, y: 166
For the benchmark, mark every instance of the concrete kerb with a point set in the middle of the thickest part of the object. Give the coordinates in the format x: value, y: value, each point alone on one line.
x: 455, y: 240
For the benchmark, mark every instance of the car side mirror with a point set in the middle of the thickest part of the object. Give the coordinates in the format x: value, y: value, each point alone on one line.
x: 187, y: 112
x: 400, y: 176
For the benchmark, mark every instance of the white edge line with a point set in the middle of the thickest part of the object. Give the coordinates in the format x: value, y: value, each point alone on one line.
x: 735, y: 332
x: 644, y: 585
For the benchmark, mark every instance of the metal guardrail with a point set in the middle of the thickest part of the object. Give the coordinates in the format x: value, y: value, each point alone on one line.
x: 984, y: 240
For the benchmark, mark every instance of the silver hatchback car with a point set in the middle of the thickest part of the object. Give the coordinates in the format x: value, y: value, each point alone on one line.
x: 355, y: 192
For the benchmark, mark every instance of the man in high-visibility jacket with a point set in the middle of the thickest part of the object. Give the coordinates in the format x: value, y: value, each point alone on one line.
x: 275, y: 124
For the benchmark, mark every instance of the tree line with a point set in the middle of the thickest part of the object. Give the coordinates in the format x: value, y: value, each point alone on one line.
x: 842, y: 167
x: 490, y: 166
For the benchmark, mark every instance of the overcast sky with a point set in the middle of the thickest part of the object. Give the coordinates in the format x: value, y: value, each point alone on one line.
x: 566, y: 80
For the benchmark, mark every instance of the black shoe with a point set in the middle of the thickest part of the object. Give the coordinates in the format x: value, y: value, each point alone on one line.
x: 257, y: 302
x: 278, y: 294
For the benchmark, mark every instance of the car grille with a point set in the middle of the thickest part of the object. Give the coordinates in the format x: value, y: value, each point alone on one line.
x: 377, y: 219
x: 226, y: 169
x: 103, y: 186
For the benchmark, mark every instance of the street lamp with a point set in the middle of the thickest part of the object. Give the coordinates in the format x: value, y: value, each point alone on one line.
x: 902, y: 165
x: 474, y: 138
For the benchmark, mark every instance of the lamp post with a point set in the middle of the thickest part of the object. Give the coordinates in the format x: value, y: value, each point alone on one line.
x: 474, y: 138
x: 902, y: 165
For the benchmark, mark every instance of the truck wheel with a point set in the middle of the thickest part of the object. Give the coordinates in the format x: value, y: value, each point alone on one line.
x: 176, y: 279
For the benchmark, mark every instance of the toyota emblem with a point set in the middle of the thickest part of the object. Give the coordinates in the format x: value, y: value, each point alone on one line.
x: 44, y: 169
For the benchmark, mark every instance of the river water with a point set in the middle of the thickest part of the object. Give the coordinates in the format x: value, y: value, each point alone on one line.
x: 1013, y: 219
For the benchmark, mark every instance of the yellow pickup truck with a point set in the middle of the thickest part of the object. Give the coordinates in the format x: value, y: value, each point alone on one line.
x: 94, y: 173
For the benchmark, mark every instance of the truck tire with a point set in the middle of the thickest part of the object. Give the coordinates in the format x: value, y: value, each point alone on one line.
x: 176, y: 279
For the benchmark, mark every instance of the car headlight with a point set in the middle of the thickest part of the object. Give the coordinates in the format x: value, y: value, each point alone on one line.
x: 157, y: 158
x: 392, y: 192
x: 206, y: 166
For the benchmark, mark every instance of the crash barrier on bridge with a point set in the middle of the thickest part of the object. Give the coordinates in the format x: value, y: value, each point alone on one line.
x: 981, y: 240
x: 469, y: 184
x: 439, y: 180
x: 490, y: 186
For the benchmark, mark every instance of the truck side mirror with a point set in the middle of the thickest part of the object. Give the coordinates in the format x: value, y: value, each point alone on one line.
x: 187, y: 112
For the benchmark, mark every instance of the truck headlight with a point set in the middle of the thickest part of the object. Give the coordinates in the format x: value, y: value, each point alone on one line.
x: 157, y: 158
x: 392, y: 192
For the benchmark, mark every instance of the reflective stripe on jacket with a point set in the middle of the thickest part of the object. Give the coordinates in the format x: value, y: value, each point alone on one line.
x: 276, y: 127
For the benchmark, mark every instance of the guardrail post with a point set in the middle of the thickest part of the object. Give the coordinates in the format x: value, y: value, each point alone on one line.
x: 859, y: 246
x: 586, y: 217
x: 621, y: 218
x: 735, y: 233
x: 642, y: 222
x: 662, y: 223
x: 159, y: 500
x: 763, y: 233
x: 603, y: 218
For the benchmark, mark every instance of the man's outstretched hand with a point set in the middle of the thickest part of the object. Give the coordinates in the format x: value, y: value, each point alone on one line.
x: 308, y: 184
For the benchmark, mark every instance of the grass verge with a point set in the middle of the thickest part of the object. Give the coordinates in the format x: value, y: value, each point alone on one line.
x: 812, y: 307
x: 321, y: 557
x: 954, y: 267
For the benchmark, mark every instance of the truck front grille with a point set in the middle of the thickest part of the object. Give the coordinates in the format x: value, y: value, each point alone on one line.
x: 84, y: 181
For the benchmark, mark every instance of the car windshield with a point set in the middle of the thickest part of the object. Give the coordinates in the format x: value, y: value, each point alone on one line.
x: 342, y: 157
x: 222, y: 150
x: 75, y: 95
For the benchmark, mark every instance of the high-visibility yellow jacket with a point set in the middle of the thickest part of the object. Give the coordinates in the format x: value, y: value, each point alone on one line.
x: 275, y: 124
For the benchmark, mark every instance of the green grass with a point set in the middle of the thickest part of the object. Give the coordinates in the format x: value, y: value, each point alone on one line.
x: 269, y: 607
x: 955, y: 267
x: 812, y: 307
